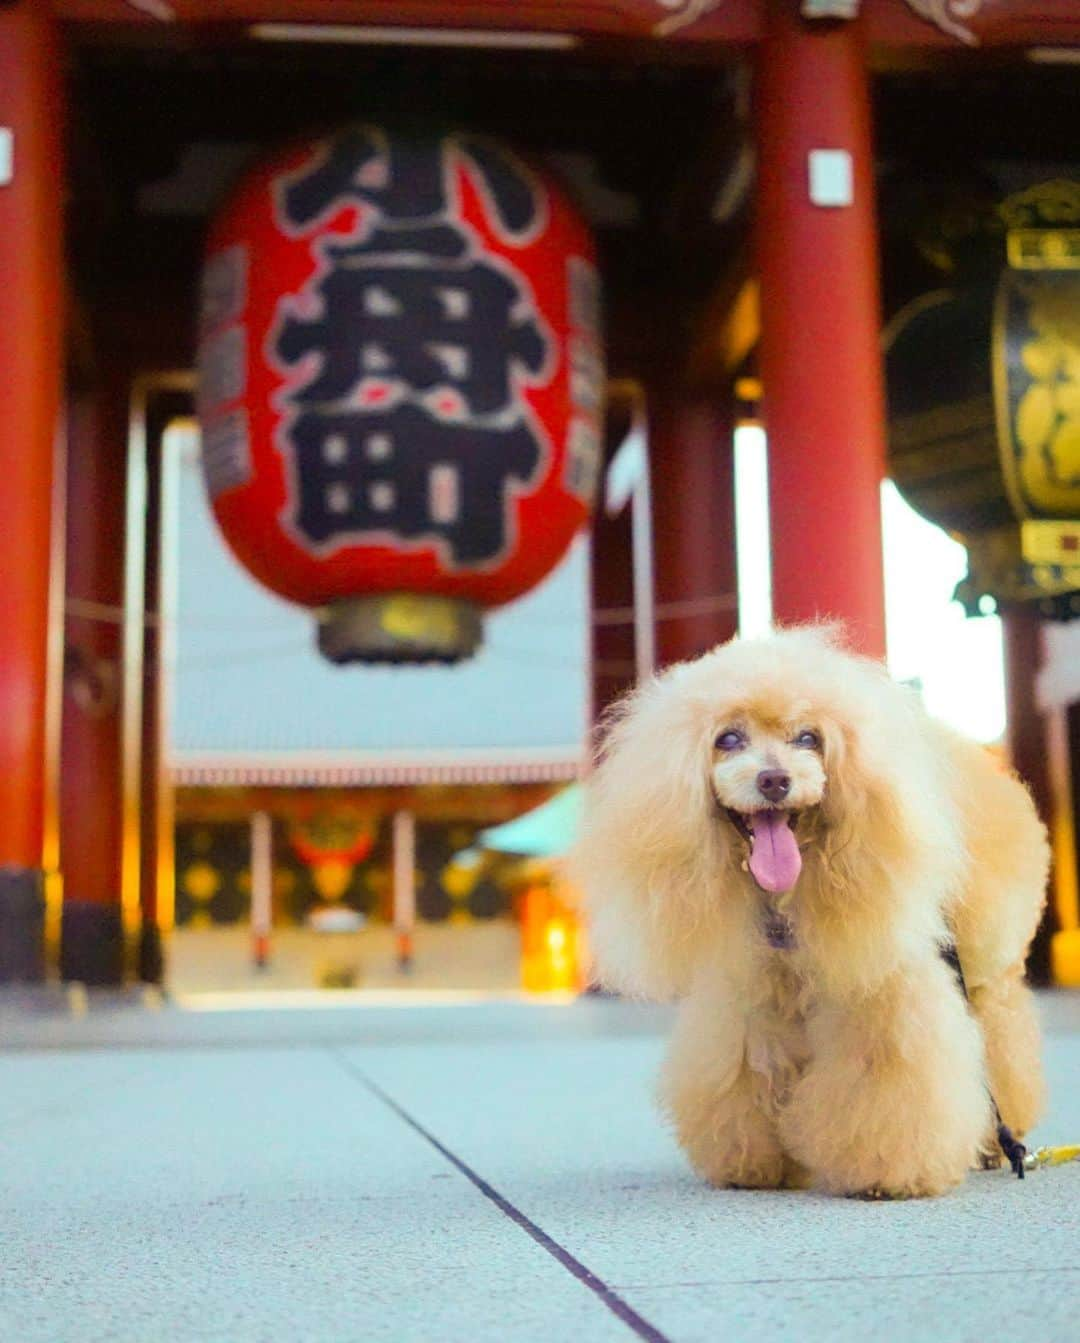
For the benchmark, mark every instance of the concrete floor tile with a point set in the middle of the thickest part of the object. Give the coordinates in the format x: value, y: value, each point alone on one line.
x: 231, y: 1178
x: 934, y: 1308
x: 253, y: 1195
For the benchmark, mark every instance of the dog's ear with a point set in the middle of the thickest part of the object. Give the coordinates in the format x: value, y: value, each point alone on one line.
x: 891, y: 848
x: 652, y: 849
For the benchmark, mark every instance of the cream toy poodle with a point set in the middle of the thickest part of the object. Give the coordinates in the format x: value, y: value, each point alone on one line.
x: 779, y: 836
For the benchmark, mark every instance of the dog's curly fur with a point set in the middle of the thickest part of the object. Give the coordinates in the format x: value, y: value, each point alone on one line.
x: 846, y: 1058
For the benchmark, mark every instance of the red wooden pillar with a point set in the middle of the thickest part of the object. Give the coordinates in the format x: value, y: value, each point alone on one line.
x: 31, y: 325
x: 820, y: 359
x: 1025, y: 731
x: 612, y: 608
x: 1021, y: 629
x: 149, y: 956
x: 156, y: 402
x: 91, y: 783
x: 693, y: 491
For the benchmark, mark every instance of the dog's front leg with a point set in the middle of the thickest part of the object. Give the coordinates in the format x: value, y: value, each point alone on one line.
x: 894, y: 1102
x: 719, y: 1106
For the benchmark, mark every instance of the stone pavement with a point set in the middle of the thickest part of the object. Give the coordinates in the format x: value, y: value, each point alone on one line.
x: 493, y: 1171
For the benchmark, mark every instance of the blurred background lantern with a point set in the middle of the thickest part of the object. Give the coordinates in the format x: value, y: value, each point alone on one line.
x: 400, y: 384
x: 984, y: 405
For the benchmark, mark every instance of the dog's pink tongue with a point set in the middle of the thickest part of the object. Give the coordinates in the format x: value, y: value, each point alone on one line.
x: 775, y: 860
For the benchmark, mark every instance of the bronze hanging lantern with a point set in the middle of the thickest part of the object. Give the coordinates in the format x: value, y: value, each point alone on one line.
x: 984, y: 423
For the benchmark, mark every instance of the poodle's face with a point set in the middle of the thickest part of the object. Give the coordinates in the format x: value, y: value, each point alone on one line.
x: 767, y: 772
x: 779, y: 784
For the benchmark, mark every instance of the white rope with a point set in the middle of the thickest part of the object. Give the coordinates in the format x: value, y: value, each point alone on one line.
x: 689, y: 12
x: 946, y: 15
x: 156, y: 9
x: 80, y: 608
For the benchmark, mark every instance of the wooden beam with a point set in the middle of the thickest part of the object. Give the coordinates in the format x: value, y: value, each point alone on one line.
x: 729, y: 21
x: 674, y: 23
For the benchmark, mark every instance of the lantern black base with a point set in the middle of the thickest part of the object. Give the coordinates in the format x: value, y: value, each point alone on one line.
x: 91, y: 943
x: 22, y: 925
x: 400, y: 627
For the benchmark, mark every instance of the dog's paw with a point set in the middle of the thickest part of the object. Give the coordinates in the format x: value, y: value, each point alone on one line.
x: 796, y: 1176
x: 876, y: 1194
x: 765, y: 1172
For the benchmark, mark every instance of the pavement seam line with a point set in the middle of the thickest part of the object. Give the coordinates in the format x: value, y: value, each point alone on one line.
x: 610, y: 1298
x: 856, y: 1279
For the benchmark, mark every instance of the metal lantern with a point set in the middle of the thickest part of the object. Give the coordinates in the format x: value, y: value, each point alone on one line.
x: 984, y: 409
x: 400, y: 384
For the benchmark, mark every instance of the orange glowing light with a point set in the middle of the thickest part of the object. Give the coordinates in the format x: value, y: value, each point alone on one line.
x: 550, y: 944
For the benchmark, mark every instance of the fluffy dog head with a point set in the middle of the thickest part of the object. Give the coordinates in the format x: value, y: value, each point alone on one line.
x: 777, y: 796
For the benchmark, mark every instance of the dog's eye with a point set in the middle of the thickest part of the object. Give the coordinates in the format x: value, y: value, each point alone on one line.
x: 729, y: 740
x: 808, y: 740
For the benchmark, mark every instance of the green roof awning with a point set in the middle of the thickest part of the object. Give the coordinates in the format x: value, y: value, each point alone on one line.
x: 547, y: 831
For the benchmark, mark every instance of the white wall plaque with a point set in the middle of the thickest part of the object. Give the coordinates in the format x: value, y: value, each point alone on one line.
x: 7, y: 155
x: 831, y: 178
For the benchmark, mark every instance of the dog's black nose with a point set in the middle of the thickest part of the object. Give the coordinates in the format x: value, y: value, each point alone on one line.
x: 774, y: 784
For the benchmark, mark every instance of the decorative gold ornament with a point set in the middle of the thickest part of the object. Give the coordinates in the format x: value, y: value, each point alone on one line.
x: 1053, y: 544
x: 331, y: 878
x: 1019, y: 564
x: 1037, y: 383
x: 200, y: 882
x: 1044, y: 248
x: 1043, y: 225
x: 400, y: 626
x: 1053, y: 204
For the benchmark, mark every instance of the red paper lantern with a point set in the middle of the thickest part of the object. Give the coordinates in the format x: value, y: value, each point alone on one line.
x: 400, y: 384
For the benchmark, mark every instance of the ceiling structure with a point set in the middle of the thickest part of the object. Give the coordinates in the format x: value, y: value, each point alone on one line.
x: 657, y: 150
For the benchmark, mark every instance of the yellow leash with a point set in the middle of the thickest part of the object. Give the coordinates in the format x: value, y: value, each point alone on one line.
x: 1014, y: 1151
x: 1051, y: 1156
